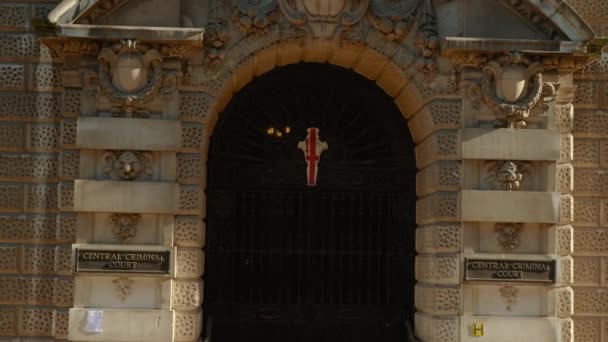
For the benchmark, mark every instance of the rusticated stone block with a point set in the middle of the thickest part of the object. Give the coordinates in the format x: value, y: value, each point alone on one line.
x: 565, y: 240
x: 565, y: 178
x: 189, y: 263
x: 567, y: 330
x: 564, y: 306
x: 438, y: 207
x: 188, y: 325
x: 566, y: 154
x: 590, y: 8
x: 604, y: 212
x: 28, y: 166
x: 586, y: 211
x: 566, y: 273
x: 195, y: 106
x: 187, y: 295
x: 439, y: 145
x: 27, y: 228
x: 192, y: 137
x: 14, y: 17
x: 590, y: 241
x: 565, y: 117
x: 62, y: 260
x: 587, y: 94
x: 438, y: 238
x: 66, y: 196
x: 39, y: 260
x: 438, y: 300
x: 566, y: 209
x: 435, y: 116
x: 438, y: 269
x: 189, y: 167
x: 604, y: 154
x: 9, y: 259
x: 590, y: 301
x: 41, y: 197
x: 63, y: 292
x: 60, y: 324
x: 23, y: 47
x: 587, y: 271
x: 71, y: 102
x: 12, y: 76
x: 190, y: 199
x: 44, y: 137
x: 12, y: 137
x: 587, y: 329
x: 590, y: 181
x: 189, y: 231
x: 66, y: 226
x: 69, y: 164
x: 586, y: 153
x: 34, y: 291
x: 35, y: 322
x: 439, y: 176
x: 68, y: 133
x: 45, y: 77
x: 19, y: 106
x: 590, y: 124
x: 11, y: 197
x: 8, y: 321
x: 436, y: 328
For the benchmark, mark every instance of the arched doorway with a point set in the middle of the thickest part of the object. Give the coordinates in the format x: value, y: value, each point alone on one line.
x: 308, y: 241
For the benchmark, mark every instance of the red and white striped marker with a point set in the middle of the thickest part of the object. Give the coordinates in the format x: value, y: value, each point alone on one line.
x: 312, y: 147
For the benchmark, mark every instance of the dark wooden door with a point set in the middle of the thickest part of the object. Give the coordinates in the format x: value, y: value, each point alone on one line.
x: 287, y: 261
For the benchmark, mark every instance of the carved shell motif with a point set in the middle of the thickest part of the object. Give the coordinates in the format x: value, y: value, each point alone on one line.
x: 392, y: 17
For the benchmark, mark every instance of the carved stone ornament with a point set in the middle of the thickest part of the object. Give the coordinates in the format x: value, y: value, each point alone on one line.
x: 253, y: 15
x: 512, y: 85
x: 509, y: 295
x: 393, y: 18
x: 216, y: 38
x: 508, y: 235
x: 124, y: 287
x: 325, y: 20
x: 507, y: 174
x: 125, y: 225
x: 128, y: 165
x: 130, y: 74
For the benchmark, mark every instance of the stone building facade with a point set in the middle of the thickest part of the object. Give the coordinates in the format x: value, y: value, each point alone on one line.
x: 107, y: 109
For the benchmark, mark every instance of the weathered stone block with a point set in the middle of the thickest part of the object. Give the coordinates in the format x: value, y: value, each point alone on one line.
x: 190, y: 262
x: 437, y: 300
x: 188, y: 325
x: 438, y: 207
x: 129, y: 134
x: 189, y: 231
x: 510, y: 206
x: 434, y: 116
x: 586, y: 153
x: 439, y: 238
x: 126, y: 197
x: 510, y: 144
x: 187, y: 294
x: 439, y: 145
x: 437, y: 328
x: 590, y: 242
x: 124, y: 325
x: 12, y: 76
x: 438, y: 269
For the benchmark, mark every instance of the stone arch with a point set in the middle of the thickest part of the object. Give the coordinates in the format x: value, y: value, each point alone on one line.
x: 392, y: 73
x: 434, y: 117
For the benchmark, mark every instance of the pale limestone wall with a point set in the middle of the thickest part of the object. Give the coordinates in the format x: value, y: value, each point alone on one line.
x: 35, y: 281
x: 591, y: 187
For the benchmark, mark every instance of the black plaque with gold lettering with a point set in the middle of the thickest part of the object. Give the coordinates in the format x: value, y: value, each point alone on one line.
x: 154, y: 262
x: 542, y: 271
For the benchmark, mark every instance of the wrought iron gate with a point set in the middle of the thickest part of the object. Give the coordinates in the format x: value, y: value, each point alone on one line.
x: 286, y: 261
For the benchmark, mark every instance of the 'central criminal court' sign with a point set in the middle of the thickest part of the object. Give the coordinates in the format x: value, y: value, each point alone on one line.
x: 510, y: 270
x: 89, y: 260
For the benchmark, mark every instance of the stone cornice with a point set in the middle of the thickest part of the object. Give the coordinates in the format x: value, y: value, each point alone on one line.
x: 74, y: 39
